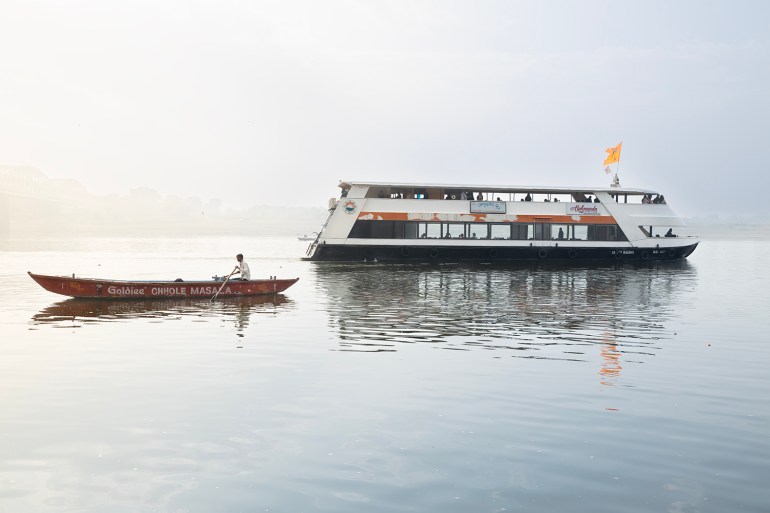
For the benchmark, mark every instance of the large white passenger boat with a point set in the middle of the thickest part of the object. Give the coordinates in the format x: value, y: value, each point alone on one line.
x: 440, y: 222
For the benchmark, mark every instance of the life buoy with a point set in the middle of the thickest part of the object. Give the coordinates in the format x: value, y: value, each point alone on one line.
x: 433, y: 253
x: 645, y: 255
x: 493, y: 253
x: 672, y: 252
x: 572, y: 254
x: 542, y: 253
x: 404, y: 251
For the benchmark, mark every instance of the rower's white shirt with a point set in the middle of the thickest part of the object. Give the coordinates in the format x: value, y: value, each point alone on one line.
x: 245, y: 272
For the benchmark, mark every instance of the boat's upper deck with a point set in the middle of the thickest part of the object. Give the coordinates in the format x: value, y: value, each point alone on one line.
x: 357, y: 189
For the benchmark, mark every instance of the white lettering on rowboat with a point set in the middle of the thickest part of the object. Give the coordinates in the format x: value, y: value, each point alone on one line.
x: 204, y: 291
x: 168, y: 291
x: 125, y: 291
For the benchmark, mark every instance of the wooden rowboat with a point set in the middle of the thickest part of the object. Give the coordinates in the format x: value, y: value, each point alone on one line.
x: 95, y: 288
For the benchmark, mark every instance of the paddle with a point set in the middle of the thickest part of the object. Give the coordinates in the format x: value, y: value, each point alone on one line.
x: 223, y: 284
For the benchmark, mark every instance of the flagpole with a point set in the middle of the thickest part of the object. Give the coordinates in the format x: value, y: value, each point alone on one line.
x: 617, y: 180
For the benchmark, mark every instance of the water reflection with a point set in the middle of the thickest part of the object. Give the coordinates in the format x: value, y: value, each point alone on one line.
x: 531, y: 312
x: 611, y: 366
x: 81, y: 312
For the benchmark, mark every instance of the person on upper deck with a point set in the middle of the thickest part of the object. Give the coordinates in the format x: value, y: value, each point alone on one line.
x: 670, y: 233
x: 242, y: 268
x: 528, y: 197
x: 646, y: 199
x: 480, y: 197
x: 596, y: 200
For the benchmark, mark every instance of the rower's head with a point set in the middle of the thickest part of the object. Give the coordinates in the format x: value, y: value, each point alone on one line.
x: 239, y: 257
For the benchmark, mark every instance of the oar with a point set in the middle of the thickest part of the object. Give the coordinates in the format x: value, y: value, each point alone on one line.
x: 223, y: 285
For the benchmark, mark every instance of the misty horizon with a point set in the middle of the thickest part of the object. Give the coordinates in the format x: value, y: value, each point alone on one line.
x: 274, y: 100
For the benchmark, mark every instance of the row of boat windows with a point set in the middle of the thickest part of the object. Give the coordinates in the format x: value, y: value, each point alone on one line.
x: 490, y: 231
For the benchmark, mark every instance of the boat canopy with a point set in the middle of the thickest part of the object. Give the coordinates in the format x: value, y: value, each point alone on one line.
x: 539, y: 189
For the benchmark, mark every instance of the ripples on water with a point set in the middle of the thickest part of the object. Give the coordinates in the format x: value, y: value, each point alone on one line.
x: 74, y: 313
x: 539, y: 311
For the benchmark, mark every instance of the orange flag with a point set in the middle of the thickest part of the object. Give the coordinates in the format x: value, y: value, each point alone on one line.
x: 613, y: 155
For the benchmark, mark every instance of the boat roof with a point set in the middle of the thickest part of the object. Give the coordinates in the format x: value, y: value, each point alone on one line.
x: 541, y: 189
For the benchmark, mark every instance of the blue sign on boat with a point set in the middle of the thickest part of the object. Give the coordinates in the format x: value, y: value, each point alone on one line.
x: 487, y: 207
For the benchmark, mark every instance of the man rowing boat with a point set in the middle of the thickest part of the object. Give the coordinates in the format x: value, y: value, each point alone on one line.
x: 242, y: 268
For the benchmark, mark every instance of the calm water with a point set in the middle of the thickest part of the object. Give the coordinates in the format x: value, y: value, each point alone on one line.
x: 382, y: 388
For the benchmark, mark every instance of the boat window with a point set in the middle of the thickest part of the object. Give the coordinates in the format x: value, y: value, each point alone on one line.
x: 410, y: 229
x: 522, y: 231
x: 610, y: 232
x: 500, y: 231
x: 660, y: 231
x: 454, y: 230
x: 382, y: 229
x: 429, y: 230
x: 542, y: 231
x: 579, y: 232
x: 560, y: 231
x: 360, y: 230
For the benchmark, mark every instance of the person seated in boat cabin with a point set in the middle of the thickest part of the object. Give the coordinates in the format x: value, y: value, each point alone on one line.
x: 242, y: 268
x: 670, y: 233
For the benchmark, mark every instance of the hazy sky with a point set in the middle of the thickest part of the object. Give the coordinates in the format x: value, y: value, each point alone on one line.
x: 274, y: 102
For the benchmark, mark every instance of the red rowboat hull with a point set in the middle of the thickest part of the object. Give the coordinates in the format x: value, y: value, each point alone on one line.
x: 115, y: 289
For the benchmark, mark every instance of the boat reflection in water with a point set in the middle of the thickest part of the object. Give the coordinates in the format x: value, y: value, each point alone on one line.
x: 551, y: 312
x: 81, y: 312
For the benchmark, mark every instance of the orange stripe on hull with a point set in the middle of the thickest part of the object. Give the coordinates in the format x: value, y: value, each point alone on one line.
x: 482, y: 218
